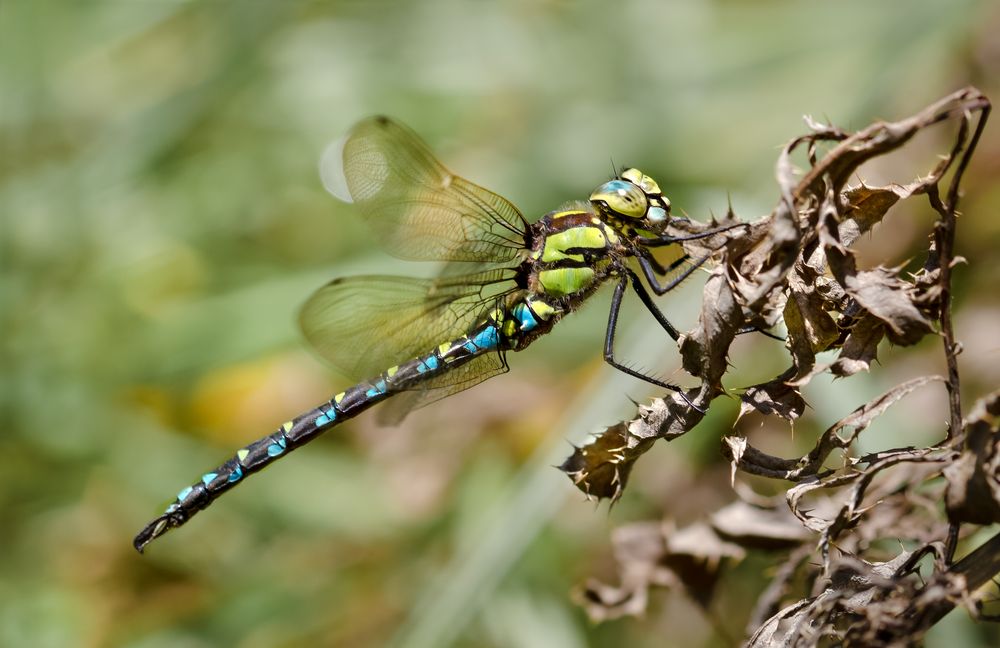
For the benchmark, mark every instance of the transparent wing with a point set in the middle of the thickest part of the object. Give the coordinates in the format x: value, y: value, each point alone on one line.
x: 418, y: 208
x: 365, y: 324
x: 434, y: 389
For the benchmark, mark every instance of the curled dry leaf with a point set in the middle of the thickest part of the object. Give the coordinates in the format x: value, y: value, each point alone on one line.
x: 860, y: 348
x: 704, y: 350
x: 754, y: 527
x: 866, y: 207
x: 776, y: 397
x: 860, y: 600
x: 601, y: 468
x: 885, y: 295
x: 974, y: 479
x: 858, y: 420
x: 654, y: 554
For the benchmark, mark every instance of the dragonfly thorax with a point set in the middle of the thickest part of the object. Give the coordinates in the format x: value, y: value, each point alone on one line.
x: 634, y: 201
x: 572, y: 252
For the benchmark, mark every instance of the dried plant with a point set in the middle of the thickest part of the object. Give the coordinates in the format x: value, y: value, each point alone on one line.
x: 797, y: 265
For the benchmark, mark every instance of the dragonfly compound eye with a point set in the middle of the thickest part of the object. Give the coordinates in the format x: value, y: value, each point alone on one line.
x: 622, y: 197
x: 647, y: 184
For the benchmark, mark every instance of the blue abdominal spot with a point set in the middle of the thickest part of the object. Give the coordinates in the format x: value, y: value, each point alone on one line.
x: 378, y: 388
x: 525, y: 317
x: 430, y: 363
x: 276, y: 449
x: 486, y: 339
x: 328, y: 416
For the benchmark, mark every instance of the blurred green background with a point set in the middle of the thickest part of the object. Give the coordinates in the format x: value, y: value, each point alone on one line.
x: 162, y: 218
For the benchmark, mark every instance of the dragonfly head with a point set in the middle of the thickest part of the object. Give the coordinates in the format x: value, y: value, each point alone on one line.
x: 634, y: 198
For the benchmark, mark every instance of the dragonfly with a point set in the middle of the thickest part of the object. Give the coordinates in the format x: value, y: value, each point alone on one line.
x: 505, y: 282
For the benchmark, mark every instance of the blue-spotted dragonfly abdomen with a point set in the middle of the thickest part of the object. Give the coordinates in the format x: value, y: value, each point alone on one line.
x: 505, y: 283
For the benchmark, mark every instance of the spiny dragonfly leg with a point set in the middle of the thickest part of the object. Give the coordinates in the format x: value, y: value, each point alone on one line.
x: 651, y: 267
x: 650, y: 272
x: 609, y: 339
x: 757, y: 329
x: 666, y: 239
x: 658, y: 267
x: 647, y: 301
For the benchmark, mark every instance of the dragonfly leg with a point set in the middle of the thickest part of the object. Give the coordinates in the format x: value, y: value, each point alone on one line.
x: 651, y: 267
x: 666, y: 239
x: 658, y: 267
x: 647, y: 301
x: 650, y: 272
x: 756, y: 329
x: 609, y: 340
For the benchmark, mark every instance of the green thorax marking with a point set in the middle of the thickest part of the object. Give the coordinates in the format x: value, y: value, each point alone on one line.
x: 560, y: 282
x: 576, y: 245
x: 558, y: 244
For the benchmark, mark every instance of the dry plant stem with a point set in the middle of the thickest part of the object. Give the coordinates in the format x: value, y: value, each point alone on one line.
x: 944, y: 234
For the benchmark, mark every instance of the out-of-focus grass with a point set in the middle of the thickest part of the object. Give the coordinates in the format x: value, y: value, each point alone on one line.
x: 162, y: 218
